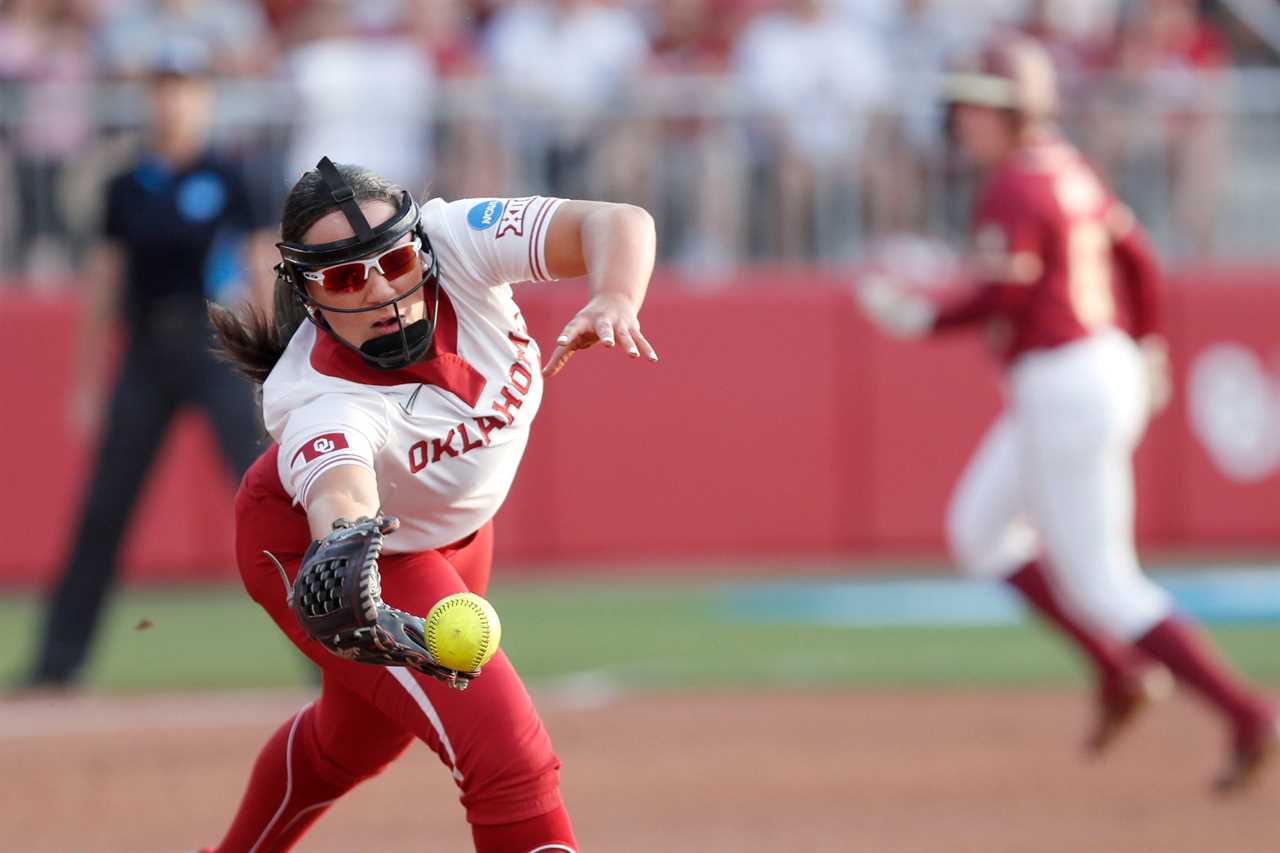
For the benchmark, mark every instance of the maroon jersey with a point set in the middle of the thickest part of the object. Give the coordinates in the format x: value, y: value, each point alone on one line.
x: 1056, y: 256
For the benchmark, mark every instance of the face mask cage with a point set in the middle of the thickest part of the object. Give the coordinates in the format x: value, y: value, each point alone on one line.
x: 407, y: 344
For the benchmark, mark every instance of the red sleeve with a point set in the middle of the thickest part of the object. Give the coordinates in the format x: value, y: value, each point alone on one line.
x: 960, y: 313
x: 977, y: 306
x: 1139, y: 271
x: 1007, y: 258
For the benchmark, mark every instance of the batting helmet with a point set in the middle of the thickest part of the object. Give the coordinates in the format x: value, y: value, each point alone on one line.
x: 1011, y: 72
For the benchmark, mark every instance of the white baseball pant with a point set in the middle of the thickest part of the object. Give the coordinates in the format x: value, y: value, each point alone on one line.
x: 1054, y: 477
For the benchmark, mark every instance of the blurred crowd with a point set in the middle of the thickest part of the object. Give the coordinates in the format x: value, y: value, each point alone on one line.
x: 753, y: 129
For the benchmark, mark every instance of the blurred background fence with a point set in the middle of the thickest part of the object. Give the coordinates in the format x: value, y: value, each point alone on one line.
x: 753, y: 129
x: 728, y: 177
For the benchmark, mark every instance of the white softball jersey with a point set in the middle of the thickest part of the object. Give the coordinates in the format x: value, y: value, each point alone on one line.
x: 444, y: 436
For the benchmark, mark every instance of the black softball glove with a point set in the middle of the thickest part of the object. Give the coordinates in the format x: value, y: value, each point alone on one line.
x: 337, y: 598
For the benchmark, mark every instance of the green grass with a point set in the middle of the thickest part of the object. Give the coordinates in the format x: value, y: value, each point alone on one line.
x: 658, y: 634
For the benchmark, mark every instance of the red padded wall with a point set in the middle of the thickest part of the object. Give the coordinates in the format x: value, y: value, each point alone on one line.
x: 777, y: 422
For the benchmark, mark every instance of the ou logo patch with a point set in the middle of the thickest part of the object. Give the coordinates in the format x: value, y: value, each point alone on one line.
x: 319, y: 446
x: 1234, y: 408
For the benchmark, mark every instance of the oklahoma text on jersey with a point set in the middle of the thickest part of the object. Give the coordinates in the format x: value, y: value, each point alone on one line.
x: 519, y: 382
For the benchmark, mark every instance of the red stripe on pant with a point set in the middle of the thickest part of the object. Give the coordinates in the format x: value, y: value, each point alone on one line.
x: 490, y: 735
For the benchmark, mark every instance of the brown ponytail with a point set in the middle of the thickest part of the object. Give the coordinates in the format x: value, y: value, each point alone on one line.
x: 251, y: 340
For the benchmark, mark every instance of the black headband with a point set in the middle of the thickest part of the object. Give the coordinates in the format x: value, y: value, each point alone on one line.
x: 344, y: 197
x: 367, y: 241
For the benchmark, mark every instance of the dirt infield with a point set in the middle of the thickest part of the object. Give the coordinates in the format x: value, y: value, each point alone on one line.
x: 908, y: 772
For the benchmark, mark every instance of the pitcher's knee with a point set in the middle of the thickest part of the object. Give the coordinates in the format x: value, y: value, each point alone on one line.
x: 513, y: 786
x: 549, y: 832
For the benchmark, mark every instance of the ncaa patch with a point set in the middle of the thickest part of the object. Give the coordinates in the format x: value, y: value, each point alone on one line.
x: 484, y: 214
x: 319, y: 446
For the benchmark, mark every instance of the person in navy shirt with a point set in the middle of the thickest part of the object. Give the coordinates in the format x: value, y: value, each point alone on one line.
x: 175, y: 223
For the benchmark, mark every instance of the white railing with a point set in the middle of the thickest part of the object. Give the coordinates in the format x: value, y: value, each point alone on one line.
x: 1195, y: 155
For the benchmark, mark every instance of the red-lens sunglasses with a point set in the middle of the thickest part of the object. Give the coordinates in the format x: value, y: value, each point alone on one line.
x: 352, y: 276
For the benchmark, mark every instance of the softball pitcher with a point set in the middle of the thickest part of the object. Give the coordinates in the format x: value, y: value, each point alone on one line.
x: 1046, y: 503
x: 399, y: 383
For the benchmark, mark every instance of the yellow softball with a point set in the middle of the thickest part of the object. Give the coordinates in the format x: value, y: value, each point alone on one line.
x: 462, y: 632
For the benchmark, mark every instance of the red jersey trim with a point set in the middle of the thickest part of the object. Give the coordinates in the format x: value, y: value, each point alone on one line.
x: 535, y: 238
x: 328, y: 465
x: 442, y: 367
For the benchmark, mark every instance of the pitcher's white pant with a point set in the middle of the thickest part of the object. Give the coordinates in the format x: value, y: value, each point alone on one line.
x: 1055, y: 473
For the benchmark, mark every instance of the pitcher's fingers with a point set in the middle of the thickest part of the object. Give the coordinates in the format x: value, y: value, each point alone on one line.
x: 646, y: 348
x: 626, y: 342
x: 559, y: 358
x: 575, y: 327
x: 604, y: 331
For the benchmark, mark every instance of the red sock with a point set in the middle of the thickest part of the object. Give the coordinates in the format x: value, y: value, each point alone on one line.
x: 290, y: 787
x: 1191, y: 657
x: 548, y: 833
x: 1109, y: 658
